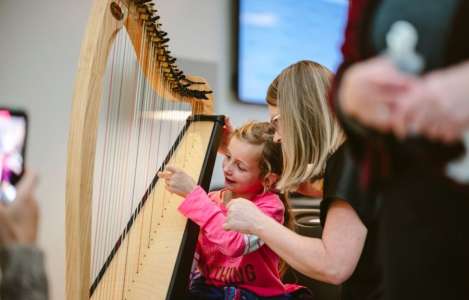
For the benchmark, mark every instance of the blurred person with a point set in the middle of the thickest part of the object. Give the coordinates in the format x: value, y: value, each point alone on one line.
x: 22, y: 267
x: 404, y: 130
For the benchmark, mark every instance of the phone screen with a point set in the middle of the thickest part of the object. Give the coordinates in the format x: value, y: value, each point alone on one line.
x: 13, y: 130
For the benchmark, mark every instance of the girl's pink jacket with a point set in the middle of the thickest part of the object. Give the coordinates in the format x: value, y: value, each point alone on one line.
x: 232, y: 258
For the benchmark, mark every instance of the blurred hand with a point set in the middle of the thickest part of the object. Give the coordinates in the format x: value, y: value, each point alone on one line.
x: 19, y: 220
x: 243, y: 216
x: 436, y: 106
x: 225, y: 139
x: 177, y: 181
x: 369, y: 90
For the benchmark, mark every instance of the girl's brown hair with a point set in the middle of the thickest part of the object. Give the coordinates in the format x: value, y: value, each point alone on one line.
x: 311, y: 132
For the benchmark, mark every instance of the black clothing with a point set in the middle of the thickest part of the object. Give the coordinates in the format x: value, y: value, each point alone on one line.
x: 424, y: 213
x: 340, y: 183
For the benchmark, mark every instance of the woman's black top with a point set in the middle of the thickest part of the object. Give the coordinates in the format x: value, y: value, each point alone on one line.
x: 341, y: 182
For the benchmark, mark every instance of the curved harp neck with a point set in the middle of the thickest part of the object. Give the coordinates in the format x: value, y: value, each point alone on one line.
x: 156, y: 62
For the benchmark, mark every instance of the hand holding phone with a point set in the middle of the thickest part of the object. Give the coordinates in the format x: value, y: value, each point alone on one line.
x: 19, y: 220
x: 13, y: 133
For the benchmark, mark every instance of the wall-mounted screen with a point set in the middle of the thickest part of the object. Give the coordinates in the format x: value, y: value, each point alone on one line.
x: 273, y: 34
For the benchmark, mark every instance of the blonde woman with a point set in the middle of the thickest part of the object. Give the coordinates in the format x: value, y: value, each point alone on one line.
x: 316, y: 163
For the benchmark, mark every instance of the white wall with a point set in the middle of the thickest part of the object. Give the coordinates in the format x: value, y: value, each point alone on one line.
x: 38, y: 57
x: 39, y: 48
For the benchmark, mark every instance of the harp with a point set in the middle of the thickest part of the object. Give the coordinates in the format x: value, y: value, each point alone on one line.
x: 133, y: 113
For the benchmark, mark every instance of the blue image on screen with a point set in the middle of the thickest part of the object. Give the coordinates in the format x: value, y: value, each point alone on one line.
x: 276, y: 33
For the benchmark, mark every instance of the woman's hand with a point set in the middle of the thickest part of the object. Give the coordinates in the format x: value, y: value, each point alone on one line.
x: 177, y: 181
x: 225, y: 139
x: 244, y: 216
x: 19, y: 220
x: 369, y: 91
x: 437, y: 106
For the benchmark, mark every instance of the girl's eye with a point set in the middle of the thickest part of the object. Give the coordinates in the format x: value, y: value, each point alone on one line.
x: 241, y: 168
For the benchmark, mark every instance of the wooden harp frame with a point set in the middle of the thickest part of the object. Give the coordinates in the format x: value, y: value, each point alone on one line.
x: 106, y: 19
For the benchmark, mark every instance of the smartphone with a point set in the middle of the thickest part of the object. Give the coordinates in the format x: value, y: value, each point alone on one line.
x: 13, y: 134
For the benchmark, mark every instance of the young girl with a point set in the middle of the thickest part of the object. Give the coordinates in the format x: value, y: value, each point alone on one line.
x: 233, y: 265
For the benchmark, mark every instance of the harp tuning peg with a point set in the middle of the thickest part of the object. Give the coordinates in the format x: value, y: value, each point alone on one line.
x: 162, y: 33
x: 141, y: 2
x: 154, y: 18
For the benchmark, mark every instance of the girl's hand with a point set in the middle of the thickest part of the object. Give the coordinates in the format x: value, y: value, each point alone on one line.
x: 225, y: 139
x: 369, y: 90
x: 436, y: 107
x: 243, y: 216
x: 177, y: 181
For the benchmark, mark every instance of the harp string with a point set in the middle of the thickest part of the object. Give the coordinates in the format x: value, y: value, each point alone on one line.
x: 147, y: 108
x: 138, y: 129
x: 159, y: 105
x: 140, y: 101
x: 115, y: 171
x: 107, y: 159
x: 122, y: 168
x: 96, y: 250
x: 143, y: 60
x: 126, y: 209
x: 154, y: 63
x: 110, y: 148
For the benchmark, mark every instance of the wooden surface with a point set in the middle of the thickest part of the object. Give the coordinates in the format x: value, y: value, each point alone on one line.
x: 100, y: 32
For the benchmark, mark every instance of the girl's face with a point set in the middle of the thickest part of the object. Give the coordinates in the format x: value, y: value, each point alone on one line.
x: 274, y: 115
x: 241, y: 168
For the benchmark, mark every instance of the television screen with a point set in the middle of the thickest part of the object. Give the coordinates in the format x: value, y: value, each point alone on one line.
x: 273, y: 34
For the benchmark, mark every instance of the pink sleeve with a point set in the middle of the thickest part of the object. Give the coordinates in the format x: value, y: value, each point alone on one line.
x: 198, y: 207
x: 272, y: 206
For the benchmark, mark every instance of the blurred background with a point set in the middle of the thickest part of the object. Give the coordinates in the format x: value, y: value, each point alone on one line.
x: 39, y: 55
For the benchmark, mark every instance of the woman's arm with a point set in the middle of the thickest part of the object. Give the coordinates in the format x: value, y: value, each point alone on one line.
x: 331, y: 259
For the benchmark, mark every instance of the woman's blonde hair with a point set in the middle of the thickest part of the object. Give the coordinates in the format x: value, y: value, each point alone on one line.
x: 311, y: 132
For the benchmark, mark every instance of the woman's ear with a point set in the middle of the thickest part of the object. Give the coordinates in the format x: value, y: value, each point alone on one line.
x: 270, y: 180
